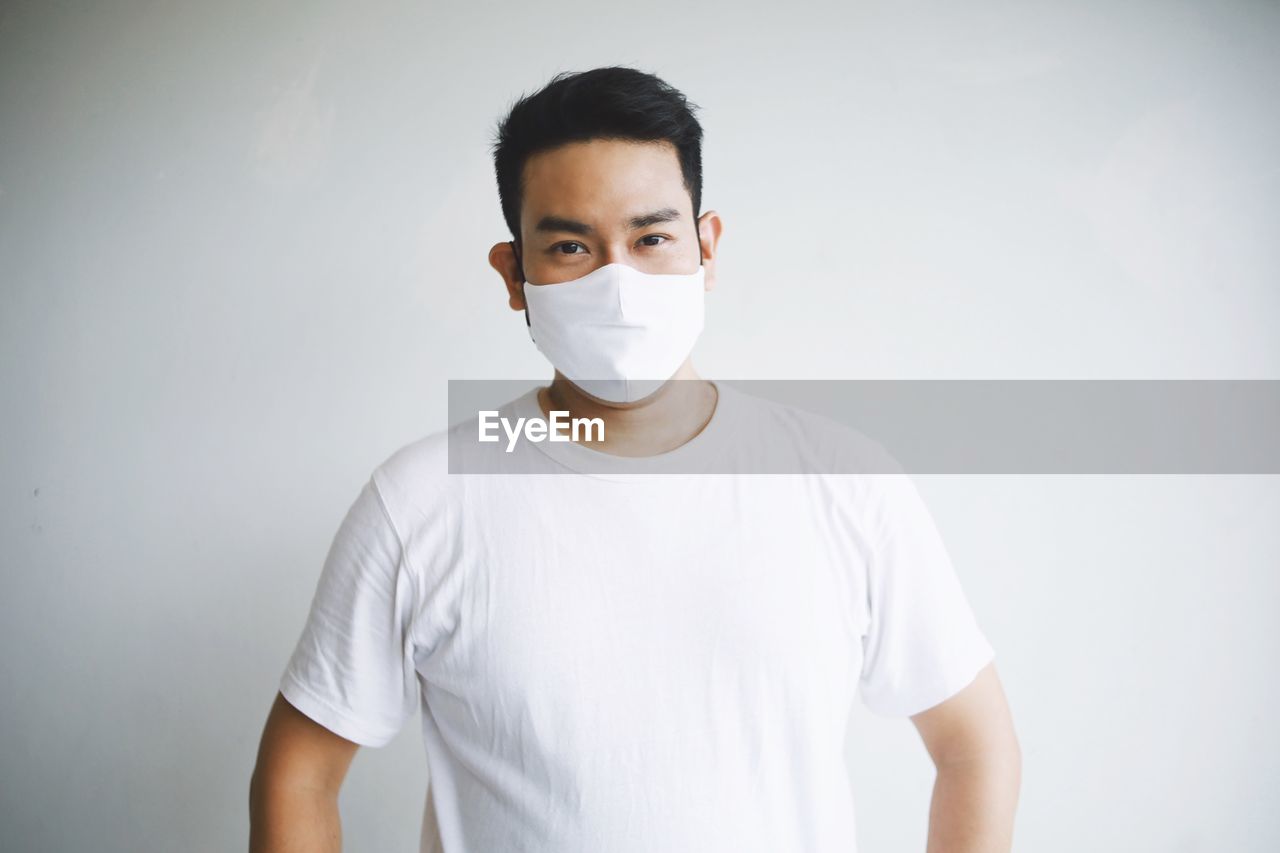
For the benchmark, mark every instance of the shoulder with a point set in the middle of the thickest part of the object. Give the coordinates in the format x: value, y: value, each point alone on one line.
x: 414, y: 480
x: 862, y: 486
x: 420, y: 479
x: 788, y: 438
x: 421, y: 465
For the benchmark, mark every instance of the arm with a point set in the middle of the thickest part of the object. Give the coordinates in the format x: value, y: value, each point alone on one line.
x: 293, y: 794
x: 971, y: 740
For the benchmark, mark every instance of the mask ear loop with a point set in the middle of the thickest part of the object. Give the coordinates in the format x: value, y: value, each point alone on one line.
x: 697, y: 232
x: 520, y: 267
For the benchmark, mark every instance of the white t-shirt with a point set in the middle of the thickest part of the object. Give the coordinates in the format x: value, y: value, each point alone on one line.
x: 617, y: 663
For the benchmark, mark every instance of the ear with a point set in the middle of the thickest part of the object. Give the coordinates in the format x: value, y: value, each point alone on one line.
x: 710, y: 227
x: 502, y: 257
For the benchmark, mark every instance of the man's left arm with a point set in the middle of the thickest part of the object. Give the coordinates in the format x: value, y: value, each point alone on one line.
x: 972, y: 742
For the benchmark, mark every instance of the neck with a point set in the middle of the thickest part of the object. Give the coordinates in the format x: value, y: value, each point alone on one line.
x: 663, y: 421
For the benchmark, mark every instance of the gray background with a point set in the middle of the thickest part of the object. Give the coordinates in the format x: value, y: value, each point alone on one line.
x: 242, y: 247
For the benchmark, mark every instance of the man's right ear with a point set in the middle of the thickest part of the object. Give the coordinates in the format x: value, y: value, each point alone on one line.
x: 504, y: 258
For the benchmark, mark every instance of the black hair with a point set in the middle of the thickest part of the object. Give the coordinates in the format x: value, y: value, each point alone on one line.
x: 614, y: 102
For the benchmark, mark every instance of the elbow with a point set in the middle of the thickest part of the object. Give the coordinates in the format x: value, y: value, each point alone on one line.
x: 259, y: 790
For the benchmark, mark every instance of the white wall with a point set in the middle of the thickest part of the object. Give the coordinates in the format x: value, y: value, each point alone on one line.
x: 242, y: 247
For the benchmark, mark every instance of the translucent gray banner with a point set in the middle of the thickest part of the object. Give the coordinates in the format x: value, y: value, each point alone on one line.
x: 903, y: 426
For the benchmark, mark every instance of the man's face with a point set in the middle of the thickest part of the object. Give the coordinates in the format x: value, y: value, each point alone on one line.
x: 587, y: 204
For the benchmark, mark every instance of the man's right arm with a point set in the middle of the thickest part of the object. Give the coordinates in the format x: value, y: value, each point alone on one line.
x: 293, y: 794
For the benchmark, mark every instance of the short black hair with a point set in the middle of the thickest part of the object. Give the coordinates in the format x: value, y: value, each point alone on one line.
x: 613, y: 102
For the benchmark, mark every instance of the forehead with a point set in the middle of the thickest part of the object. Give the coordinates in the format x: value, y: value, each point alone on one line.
x: 602, y: 180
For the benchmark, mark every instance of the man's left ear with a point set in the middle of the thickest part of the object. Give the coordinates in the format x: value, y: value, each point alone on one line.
x: 710, y: 227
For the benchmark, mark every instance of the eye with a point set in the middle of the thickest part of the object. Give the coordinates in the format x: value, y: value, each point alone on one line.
x: 562, y: 246
x: 661, y: 237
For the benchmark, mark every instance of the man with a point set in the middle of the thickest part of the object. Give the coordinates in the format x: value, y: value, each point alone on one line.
x: 612, y: 651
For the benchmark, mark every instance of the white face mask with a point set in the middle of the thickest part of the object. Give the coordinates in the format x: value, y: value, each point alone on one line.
x: 617, y: 333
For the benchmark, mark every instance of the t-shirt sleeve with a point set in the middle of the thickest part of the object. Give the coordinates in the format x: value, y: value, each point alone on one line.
x: 922, y: 643
x: 353, y: 668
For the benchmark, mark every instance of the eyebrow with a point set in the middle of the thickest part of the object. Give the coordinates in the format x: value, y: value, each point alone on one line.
x: 560, y: 223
